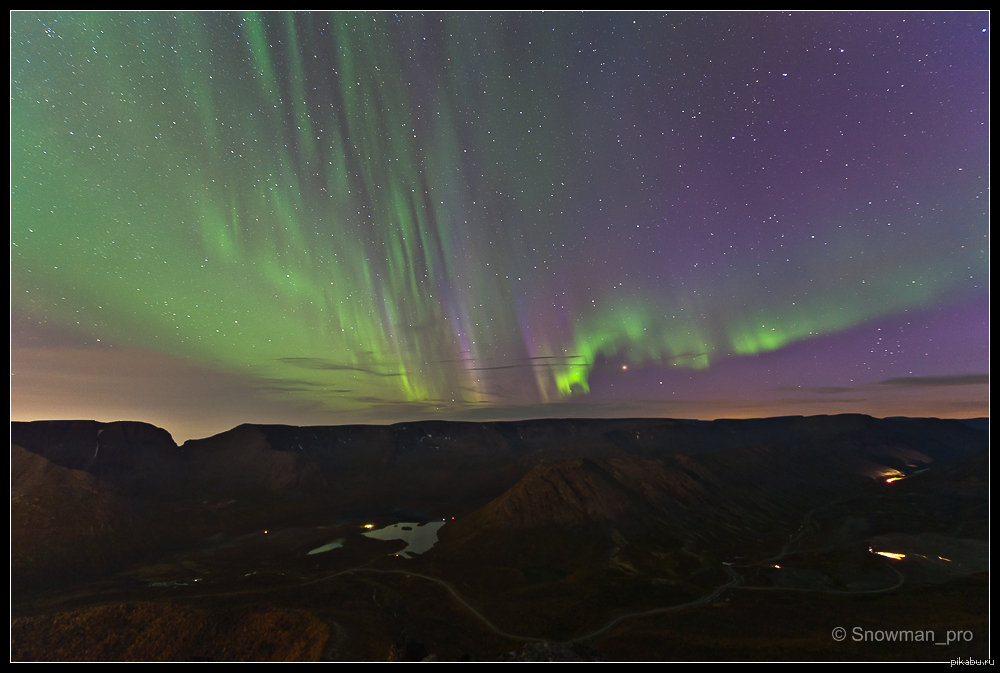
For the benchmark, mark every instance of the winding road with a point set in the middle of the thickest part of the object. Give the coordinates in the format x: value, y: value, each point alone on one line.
x: 735, y: 581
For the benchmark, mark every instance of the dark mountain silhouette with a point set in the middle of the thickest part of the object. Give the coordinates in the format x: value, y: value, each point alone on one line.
x: 62, y: 518
x: 128, y: 454
x: 243, y: 461
x: 552, y: 528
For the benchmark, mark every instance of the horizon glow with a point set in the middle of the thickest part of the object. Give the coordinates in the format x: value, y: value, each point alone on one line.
x: 358, y: 213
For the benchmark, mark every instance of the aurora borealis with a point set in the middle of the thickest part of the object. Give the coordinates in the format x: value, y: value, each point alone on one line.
x: 371, y: 217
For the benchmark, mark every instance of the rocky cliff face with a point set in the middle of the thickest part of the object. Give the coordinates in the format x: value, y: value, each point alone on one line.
x: 129, y: 454
x: 62, y: 518
x: 580, y: 492
x: 242, y: 460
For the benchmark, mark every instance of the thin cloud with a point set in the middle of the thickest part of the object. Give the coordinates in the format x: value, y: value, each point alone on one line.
x: 326, y: 365
x: 822, y: 390
x: 554, y: 357
x: 954, y: 380
x: 530, y: 365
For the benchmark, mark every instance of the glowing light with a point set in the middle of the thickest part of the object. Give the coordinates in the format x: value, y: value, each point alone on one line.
x: 891, y: 555
x: 887, y: 473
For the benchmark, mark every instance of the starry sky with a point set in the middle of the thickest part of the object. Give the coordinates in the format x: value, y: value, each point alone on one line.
x: 372, y: 217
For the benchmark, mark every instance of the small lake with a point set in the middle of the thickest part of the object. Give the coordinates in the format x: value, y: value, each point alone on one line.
x: 419, y: 536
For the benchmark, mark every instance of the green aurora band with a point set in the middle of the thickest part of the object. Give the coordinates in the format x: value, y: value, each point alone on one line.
x: 297, y: 199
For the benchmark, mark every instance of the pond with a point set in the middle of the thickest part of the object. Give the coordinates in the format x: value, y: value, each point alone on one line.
x: 419, y: 536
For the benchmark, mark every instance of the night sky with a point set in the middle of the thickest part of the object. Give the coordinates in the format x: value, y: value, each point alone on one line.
x: 349, y: 217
